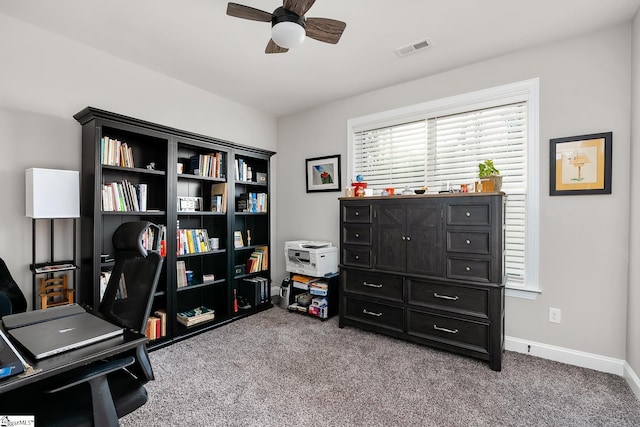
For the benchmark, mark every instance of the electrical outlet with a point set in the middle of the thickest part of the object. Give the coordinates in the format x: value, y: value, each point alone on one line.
x: 555, y: 315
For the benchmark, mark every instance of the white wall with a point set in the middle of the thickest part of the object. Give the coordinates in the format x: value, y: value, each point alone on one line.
x: 633, y: 304
x: 45, y: 79
x: 584, y: 88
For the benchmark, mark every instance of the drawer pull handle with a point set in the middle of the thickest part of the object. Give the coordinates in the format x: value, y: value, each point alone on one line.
x: 372, y: 285
x: 468, y: 242
x: 404, y: 238
x: 467, y: 268
x: 437, y: 295
x: 408, y: 238
x: 357, y: 213
x: 371, y: 313
x: 357, y: 257
x: 468, y: 213
x: 450, y: 331
x: 357, y: 235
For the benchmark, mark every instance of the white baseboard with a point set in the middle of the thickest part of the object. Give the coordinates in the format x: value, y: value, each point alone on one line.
x: 576, y: 358
x: 566, y: 355
x: 632, y: 380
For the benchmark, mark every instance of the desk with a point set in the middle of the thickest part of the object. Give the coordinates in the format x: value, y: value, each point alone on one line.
x: 55, y: 367
x: 63, y: 362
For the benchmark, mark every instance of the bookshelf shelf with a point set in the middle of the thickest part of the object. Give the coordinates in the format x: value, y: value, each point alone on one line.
x: 134, y: 170
x: 186, y: 166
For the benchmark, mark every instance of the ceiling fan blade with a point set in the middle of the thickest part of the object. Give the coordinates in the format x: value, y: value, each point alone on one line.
x: 246, y: 12
x: 299, y: 7
x: 272, y: 47
x: 325, y: 30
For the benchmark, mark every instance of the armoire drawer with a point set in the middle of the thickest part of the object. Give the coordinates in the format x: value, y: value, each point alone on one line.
x: 472, y: 242
x: 469, y: 269
x: 448, y: 297
x: 376, y: 314
x: 449, y: 330
x: 356, y: 235
x: 373, y: 284
x: 356, y: 257
x: 356, y: 214
x: 469, y: 214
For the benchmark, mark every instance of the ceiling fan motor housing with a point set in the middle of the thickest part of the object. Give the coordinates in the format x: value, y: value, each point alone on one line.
x: 283, y: 15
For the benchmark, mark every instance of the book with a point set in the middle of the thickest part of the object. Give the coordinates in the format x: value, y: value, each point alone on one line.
x: 162, y: 315
x: 238, y: 242
x: 219, y: 196
x: 181, y: 270
x: 195, y: 316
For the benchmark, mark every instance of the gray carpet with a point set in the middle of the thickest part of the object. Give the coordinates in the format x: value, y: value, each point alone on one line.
x: 284, y: 369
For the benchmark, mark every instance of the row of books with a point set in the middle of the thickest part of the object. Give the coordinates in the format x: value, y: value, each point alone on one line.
x: 115, y: 153
x: 252, y: 202
x: 153, y: 240
x: 124, y: 196
x: 258, y: 260
x: 209, y: 165
x: 255, y: 290
x: 156, y: 325
x: 195, y: 316
x: 243, y: 170
x: 193, y: 241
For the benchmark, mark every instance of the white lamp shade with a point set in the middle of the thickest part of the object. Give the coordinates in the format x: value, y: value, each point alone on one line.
x: 52, y: 193
x: 288, y: 34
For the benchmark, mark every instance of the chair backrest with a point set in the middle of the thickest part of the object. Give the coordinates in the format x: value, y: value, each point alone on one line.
x: 129, y: 294
x: 5, y: 305
x: 10, y: 289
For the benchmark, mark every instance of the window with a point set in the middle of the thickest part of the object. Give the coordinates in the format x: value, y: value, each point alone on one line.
x: 440, y: 143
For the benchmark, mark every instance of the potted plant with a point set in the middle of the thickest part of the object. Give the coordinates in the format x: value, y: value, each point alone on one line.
x: 490, y: 178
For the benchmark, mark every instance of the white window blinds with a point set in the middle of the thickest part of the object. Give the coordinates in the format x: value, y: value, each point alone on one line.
x: 438, y: 152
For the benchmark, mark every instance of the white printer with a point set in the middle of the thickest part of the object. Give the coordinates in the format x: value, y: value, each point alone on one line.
x: 311, y: 258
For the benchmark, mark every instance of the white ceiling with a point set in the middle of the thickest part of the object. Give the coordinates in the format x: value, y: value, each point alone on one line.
x: 196, y: 42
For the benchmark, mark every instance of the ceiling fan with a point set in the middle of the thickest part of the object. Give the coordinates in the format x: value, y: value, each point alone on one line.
x: 289, y: 25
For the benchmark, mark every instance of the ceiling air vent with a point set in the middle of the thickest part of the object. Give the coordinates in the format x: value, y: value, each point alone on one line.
x: 413, y: 47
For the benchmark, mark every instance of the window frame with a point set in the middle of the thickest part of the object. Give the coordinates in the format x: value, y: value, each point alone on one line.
x: 527, y: 90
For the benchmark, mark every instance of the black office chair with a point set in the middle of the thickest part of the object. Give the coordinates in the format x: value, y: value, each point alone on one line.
x: 99, y: 394
x: 12, y: 299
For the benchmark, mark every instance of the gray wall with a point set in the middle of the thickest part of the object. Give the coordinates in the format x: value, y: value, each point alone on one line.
x: 45, y: 79
x: 633, y: 304
x: 584, y: 88
x: 584, y: 83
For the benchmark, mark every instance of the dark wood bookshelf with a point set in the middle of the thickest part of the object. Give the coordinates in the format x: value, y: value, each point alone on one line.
x: 166, y: 147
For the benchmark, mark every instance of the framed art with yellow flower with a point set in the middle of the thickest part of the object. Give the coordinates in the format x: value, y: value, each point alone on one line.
x: 581, y: 165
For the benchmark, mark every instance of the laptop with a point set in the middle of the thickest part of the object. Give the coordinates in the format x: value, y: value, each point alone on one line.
x: 18, y: 320
x: 10, y: 362
x: 48, y: 338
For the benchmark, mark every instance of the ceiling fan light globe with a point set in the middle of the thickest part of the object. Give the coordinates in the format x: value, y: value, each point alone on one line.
x: 288, y: 35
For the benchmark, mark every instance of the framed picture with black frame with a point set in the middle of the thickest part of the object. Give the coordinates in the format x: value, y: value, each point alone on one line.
x: 580, y: 165
x: 323, y: 173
